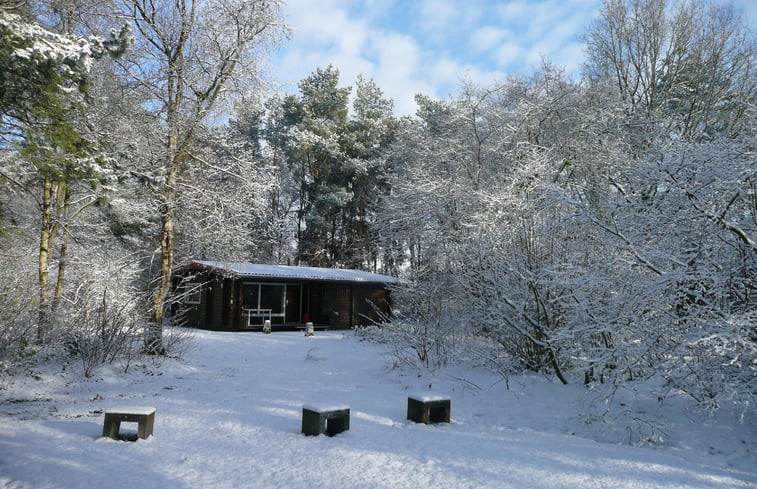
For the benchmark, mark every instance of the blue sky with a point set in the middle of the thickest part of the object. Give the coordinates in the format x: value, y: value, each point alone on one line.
x: 430, y: 46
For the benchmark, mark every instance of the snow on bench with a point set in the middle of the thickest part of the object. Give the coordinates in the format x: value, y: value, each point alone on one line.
x: 428, y: 397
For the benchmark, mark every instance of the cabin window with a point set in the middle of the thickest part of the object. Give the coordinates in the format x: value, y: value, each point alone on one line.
x: 272, y: 297
x: 191, y: 293
x: 263, y: 301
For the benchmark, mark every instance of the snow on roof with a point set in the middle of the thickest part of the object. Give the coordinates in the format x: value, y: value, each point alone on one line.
x: 290, y: 272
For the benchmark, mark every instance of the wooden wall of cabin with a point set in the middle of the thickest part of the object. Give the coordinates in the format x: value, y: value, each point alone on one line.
x: 221, y: 298
x: 237, y: 322
x: 214, y: 301
x: 189, y: 306
x: 343, y: 306
x: 330, y: 305
x: 227, y: 303
x: 370, y: 305
x: 217, y: 309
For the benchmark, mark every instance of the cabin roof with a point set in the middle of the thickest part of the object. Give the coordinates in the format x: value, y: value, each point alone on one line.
x: 256, y: 270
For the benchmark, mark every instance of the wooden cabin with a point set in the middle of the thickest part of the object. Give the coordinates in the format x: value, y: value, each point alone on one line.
x: 241, y: 296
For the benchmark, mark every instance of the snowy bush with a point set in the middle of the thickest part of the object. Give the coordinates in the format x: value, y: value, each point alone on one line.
x: 102, y: 330
x: 626, y: 413
x: 17, y: 330
x: 411, y: 343
x: 18, y: 319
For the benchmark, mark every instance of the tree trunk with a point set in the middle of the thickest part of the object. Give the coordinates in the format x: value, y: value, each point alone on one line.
x: 44, y: 258
x: 154, y: 332
x: 63, y: 215
x: 556, y: 366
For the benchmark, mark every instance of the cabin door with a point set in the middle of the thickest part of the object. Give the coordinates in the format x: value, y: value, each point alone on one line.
x: 293, y: 304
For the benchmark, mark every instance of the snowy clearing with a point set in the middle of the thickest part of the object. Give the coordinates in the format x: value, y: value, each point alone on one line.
x: 229, y: 414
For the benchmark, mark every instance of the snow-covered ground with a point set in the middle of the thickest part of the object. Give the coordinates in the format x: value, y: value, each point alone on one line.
x: 229, y: 415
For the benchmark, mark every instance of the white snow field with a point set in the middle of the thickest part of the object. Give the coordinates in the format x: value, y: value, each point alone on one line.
x: 229, y: 416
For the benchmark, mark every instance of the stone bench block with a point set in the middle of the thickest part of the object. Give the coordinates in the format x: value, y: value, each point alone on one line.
x: 328, y: 420
x: 428, y: 408
x: 143, y: 416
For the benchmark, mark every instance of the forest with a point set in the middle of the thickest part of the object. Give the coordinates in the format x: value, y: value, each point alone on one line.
x: 599, y: 229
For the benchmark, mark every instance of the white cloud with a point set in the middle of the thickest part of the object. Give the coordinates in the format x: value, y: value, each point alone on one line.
x: 508, y: 53
x: 437, y: 15
x: 398, y: 70
x: 315, y: 25
x: 545, y: 29
x: 487, y: 38
x: 429, y: 46
x: 446, y: 71
x: 329, y: 34
x: 570, y: 57
x: 396, y: 53
x: 514, y: 11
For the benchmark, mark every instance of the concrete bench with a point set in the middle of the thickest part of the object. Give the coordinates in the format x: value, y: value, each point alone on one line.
x: 428, y: 408
x: 328, y: 420
x: 143, y: 416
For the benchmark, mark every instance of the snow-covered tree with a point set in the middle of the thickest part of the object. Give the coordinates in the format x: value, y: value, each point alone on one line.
x: 574, y: 248
x: 686, y: 65
x: 334, y: 158
x: 50, y: 152
x: 37, y: 63
x: 228, y: 205
x: 371, y: 131
x: 190, y: 55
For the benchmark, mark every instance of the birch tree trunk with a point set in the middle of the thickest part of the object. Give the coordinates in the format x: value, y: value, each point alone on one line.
x: 153, y: 336
x: 187, y: 54
x: 64, y: 212
x: 45, y: 239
